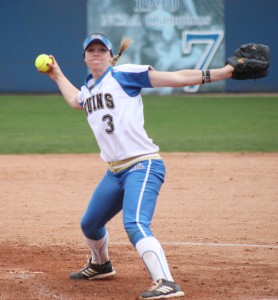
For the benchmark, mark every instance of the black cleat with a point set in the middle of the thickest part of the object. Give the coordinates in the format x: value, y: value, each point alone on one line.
x: 163, y: 289
x: 94, y: 271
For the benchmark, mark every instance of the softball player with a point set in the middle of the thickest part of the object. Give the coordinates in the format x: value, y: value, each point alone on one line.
x: 113, y: 105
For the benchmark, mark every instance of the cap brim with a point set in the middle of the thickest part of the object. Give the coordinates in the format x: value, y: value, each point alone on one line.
x: 99, y: 38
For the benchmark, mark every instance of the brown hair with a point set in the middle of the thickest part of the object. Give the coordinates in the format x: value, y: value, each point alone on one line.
x: 125, y: 43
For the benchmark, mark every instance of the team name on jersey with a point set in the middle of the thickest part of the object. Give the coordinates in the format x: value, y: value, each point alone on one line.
x: 99, y: 101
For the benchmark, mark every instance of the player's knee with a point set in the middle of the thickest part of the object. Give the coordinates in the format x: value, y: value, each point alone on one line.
x: 90, y: 228
x: 86, y: 226
x: 136, y: 231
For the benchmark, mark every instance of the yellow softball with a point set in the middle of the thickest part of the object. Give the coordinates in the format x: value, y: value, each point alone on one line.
x: 41, y: 62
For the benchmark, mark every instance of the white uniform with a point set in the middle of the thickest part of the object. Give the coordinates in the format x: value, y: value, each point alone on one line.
x: 115, y: 114
x: 135, y: 172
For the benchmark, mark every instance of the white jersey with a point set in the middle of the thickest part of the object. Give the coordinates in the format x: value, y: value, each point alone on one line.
x: 114, y: 109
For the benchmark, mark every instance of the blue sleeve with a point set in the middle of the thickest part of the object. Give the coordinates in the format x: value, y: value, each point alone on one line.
x: 133, y: 82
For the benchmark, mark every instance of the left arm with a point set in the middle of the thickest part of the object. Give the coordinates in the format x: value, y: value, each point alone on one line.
x: 187, y: 77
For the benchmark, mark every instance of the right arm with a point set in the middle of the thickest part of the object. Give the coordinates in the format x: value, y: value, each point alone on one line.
x: 68, y: 90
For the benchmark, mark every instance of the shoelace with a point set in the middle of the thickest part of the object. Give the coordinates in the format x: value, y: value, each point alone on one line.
x: 155, y: 285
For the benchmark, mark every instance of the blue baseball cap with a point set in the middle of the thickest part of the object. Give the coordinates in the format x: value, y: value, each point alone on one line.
x: 98, y: 37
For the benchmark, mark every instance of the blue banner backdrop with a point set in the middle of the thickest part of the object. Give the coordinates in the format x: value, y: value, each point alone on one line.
x: 168, y: 34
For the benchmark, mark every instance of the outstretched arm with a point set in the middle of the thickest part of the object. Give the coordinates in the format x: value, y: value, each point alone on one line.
x: 249, y: 61
x: 188, y: 77
x: 68, y: 90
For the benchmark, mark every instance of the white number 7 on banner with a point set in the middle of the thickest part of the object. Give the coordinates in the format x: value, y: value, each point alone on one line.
x: 210, y: 38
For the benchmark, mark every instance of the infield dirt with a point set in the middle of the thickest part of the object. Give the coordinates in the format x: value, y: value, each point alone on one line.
x: 216, y: 218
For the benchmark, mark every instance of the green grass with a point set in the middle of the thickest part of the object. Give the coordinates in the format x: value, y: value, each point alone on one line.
x: 214, y: 123
x: 45, y: 124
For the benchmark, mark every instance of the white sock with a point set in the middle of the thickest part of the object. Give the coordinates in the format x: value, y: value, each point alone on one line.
x: 154, y: 258
x: 99, y: 249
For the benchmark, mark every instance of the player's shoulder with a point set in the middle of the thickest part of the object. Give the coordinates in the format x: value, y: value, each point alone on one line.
x: 132, y: 68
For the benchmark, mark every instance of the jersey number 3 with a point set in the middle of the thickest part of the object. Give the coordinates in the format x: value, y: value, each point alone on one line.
x: 110, y: 125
